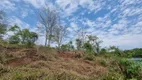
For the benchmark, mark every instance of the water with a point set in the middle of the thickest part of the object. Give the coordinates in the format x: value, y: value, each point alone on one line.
x: 137, y: 60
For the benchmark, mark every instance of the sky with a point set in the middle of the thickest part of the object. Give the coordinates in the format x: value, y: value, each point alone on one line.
x: 115, y: 22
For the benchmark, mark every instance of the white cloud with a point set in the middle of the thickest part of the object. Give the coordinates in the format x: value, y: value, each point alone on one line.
x: 73, y: 26
x: 14, y: 20
x: 7, y: 5
x: 36, y: 3
x: 68, y: 6
x: 123, y: 41
x: 24, y: 13
x: 71, y: 6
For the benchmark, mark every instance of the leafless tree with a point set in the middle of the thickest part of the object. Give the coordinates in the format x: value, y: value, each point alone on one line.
x: 3, y: 26
x: 60, y: 34
x: 48, y: 18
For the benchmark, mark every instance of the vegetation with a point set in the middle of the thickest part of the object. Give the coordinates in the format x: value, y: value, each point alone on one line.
x: 24, y: 36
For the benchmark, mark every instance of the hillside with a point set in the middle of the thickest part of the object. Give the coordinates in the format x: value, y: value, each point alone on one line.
x: 70, y: 39
x: 42, y: 63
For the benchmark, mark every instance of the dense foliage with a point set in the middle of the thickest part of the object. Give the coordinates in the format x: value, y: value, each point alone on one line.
x: 23, y: 36
x: 137, y: 52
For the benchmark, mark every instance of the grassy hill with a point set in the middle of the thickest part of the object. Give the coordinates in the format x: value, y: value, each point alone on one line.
x: 42, y: 63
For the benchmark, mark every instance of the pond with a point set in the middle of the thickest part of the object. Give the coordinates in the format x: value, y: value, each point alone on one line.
x: 137, y: 60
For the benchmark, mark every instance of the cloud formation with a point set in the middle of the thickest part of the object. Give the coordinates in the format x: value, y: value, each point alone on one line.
x: 116, y: 22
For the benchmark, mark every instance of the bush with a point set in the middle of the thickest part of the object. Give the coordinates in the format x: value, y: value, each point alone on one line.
x: 89, y: 57
x: 103, y: 51
x: 3, y: 69
x: 64, y: 47
x: 113, y: 76
x: 103, y: 62
x: 14, y: 39
x: 67, y: 47
x: 130, y: 69
x: 88, y: 47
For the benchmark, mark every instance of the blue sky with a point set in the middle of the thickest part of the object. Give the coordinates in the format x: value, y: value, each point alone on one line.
x: 116, y: 22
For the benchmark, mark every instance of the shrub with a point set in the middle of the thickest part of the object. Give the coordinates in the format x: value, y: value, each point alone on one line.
x: 3, y: 69
x: 88, y: 47
x: 103, y: 51
x: 67, y: 47
x: 14, y: 39
x: 78, y: 44
x: 89, y: 56
x: 113, y: 76
x: 103, y: 62
x: 130, y: 69
x: 64, y: 47
x: 3, y: 59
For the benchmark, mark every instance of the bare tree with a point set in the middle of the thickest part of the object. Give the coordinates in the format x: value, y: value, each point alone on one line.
x: 81, y: 37
x: 48, y: 18
x: 60, y: 34
x: 3, y: 26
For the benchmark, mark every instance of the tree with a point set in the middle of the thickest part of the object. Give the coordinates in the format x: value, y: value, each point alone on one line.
x: 24, y: 36
x: 69, y: 46
x: 94, y: 40
x: 2, y: 15
x: 3, y: 27
x: 81, y: 40
x: 15, y: 29
x: 33, y: 36
x: 88, y: 47
x: 2, y: 30
x: 48, y: 18
x: 28, y: 37
x: 115, y: 50
x: 103, y: 51
x: 60, y: 34
x: 78, y: 44
x: 14, y: 39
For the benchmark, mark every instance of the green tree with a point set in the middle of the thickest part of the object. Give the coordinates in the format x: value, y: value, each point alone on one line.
x: 115, y: 50
x: 15, y: 29
x: 24, y: 36
x: 78, y: 44
x: 14, y: 39
x: 28, y: 37
x: 69, y: 46
x: 88, y: 47
x: 103, y: 51
x: 95, y: 42
x: 3, y: 30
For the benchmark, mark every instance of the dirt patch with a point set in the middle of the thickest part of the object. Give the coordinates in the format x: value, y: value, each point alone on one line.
x: 70, y: 54
x: 29, y: 56
x: 22, y: 61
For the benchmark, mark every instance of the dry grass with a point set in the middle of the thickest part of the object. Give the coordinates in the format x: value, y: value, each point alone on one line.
x: 41, y: 63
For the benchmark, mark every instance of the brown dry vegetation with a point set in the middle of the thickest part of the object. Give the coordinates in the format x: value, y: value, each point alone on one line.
x: 42, y: 63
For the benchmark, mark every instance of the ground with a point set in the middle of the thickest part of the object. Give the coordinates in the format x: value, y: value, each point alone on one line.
x: 42, y: 63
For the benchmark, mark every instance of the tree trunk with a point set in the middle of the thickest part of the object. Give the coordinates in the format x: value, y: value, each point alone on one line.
x: 46, y: 40
x: 49, y: 42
